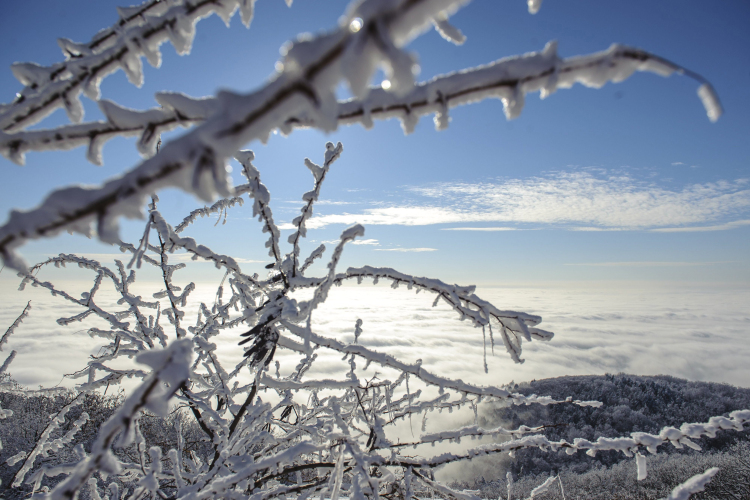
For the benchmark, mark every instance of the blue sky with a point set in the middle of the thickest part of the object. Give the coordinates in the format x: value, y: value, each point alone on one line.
x: 630, y: 182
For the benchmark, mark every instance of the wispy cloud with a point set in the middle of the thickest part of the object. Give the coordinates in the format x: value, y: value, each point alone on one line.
x: 677, y: 163
x: 108, y: 258
x: 479, y: 229
x: 582, y: 200
x: 649, y: 264
x: 374, y: 242
x: 691, y: 229
x: 406, y: 249
x: 370, y: 241
x: 334, y: 202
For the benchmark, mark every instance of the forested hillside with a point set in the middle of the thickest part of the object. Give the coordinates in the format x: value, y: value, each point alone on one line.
x: 631, y: 404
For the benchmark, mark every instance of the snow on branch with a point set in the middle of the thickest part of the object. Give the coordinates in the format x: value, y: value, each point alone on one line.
x: 695, y: 484
x: 139, y: 33
x: 507, y: 79
x: 423, y: 374
x: 6, y: 364
x: 628, y: 446
x: 514, y: 326
x: 196, y: 161
x: 303, y: 91
x: 330, y: 434
x: 171, y: 368
x: 12, y: 327
x: 319, y: 174
x: 43, y: 445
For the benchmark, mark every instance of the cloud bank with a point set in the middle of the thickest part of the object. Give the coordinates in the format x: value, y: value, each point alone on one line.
x: 695, y: 333
x: 583, y: 200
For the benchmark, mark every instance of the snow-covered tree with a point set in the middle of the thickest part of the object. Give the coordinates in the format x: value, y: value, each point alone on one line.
x: 269, y: 434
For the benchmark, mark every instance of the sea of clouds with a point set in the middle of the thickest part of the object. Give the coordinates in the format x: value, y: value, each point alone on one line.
x: 694, y: 332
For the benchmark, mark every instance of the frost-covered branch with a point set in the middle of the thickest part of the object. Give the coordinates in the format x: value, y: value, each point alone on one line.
x: 424, y: 375
x: 141, y: 32
x: 265, y: 430
x: 695, y: 484
x: 319, y: 174
x: 514, y: 326
x: 15, y: 324
x: 628, y: 446
x: 171, y: 368
x: 507, y: 79
x: 42, y: 444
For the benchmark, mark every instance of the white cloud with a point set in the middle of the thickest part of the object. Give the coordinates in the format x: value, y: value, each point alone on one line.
x: 583, y: 200
x: 406, y: 249
x: 699, y: 333
x: 649, y: 264
x: 126, y: 257
x: 332, y: 202
x: 677, y: 163
x: 370, y: 241
x: 479, y: 229
x: 690, y: 229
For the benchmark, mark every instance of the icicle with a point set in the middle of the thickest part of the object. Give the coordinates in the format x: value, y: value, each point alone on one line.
x: 94, y: 152
x: 550, y: 86
x: 534, y: 6
x: 73, y: 106
x: 442, y: 117
x: 132, y: 66
x: 640, y: 463
x: 710, y: 101
x: 484, y: 345
x: 31, y: 74
x: 448, y: 31
x: 247, y: 10
x: 182, y: 34
x: 513, y: 105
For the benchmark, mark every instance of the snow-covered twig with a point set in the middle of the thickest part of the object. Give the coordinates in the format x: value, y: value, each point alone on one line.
x: 145, y: 28
x: 15, y: 324
x: 319, y: 174
x: 507, y: 79
x: 171, y: 368
x: 695, y: 484
x: 677, y: 437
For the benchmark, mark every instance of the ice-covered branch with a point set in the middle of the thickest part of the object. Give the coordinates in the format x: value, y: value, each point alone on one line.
x: 514, y: 326
x: 195, y: 162
x: 42, y: 443
x: 141, y: 32
x: 507, y: 79
x: 319, y: 174
x: 15, y: 324
x: 421, y: 373
x: 261, y: 208
x: 171, y: 368
x: 220, y: 207
x: 695, y: 484
x: 628, y: 446
x: 8, y: 361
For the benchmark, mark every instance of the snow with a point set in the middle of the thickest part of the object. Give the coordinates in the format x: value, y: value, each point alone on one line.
x: 693, y: 485
x: 534, y: 6
x: 545, y: 486
x: 710, y: 101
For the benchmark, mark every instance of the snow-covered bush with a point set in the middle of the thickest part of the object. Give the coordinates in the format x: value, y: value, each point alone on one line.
x: 269, y: 431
